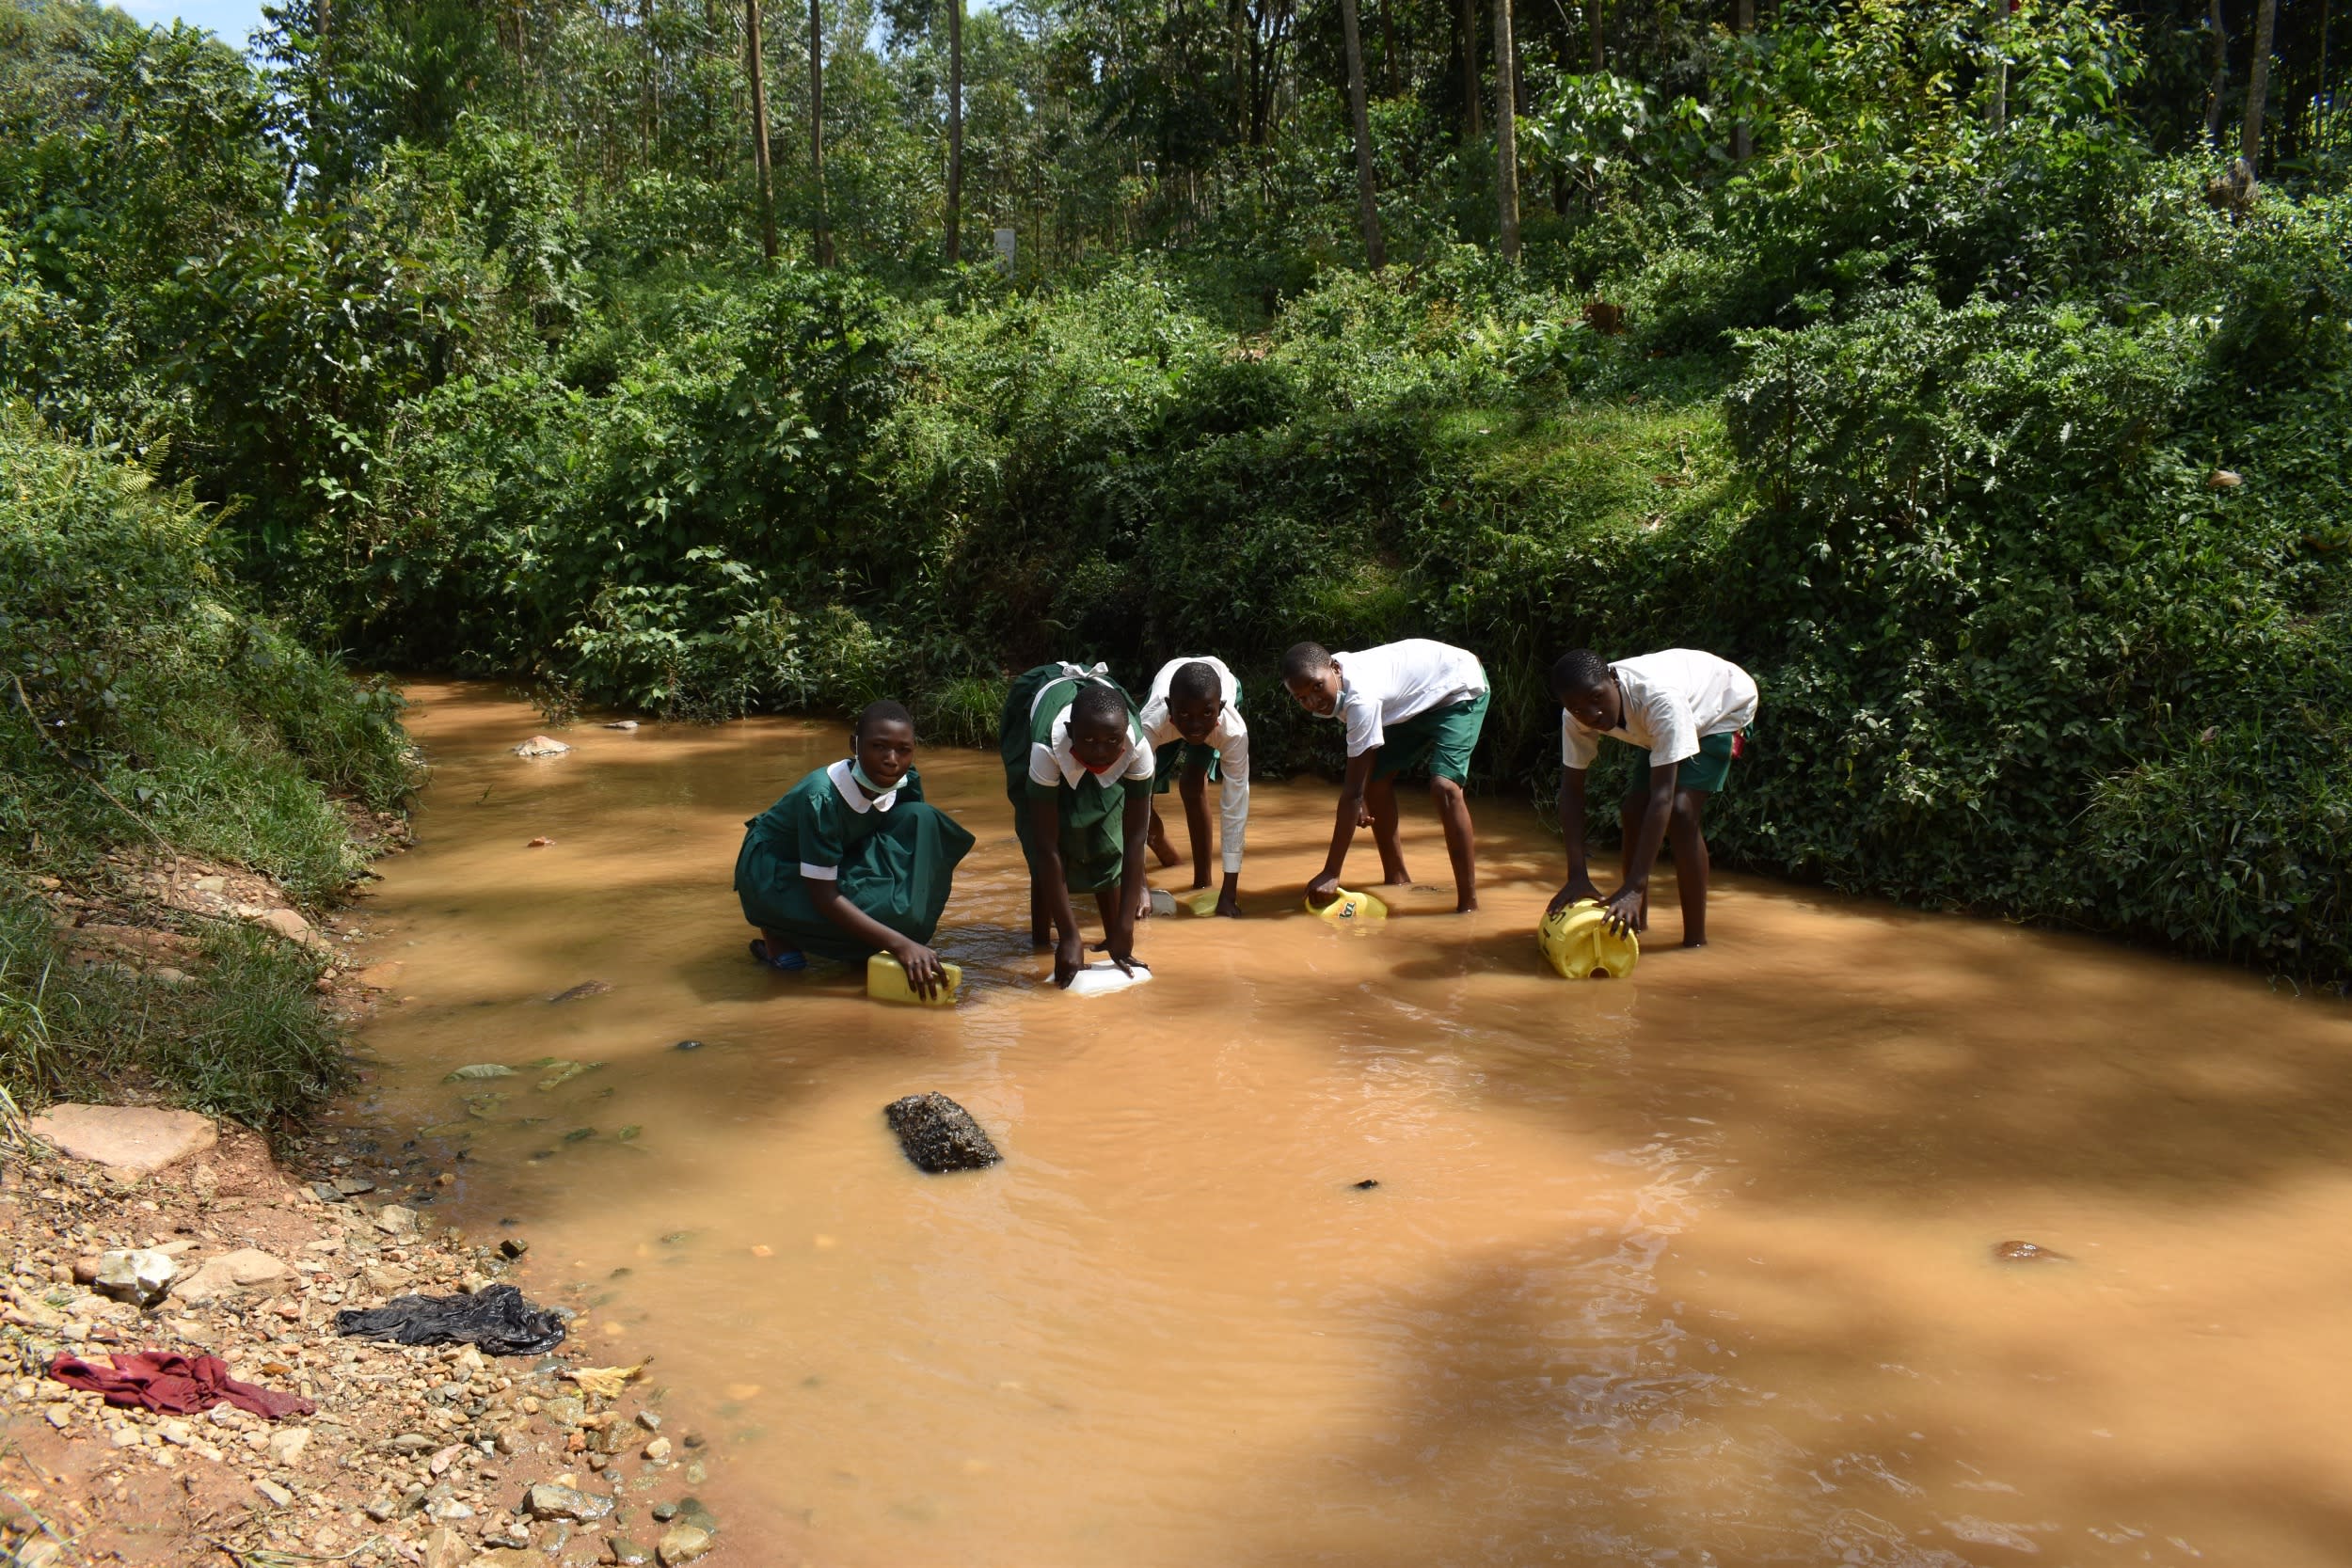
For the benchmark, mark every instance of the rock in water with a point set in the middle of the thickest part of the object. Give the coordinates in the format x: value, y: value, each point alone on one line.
x: 541, y: 746
x: 939, y: 1134
x: 2027, y: 1252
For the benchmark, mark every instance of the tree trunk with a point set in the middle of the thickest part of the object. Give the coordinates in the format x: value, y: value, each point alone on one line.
x: 1507, y: 133
x: 2220, y: 78
x: 955, y: 131
x: 2258, y: 86
x: 1388, y: 44
x: 1368, y: 211
x: 759, y: 132
x: 1592, y: 13
x: 1743, y: 21
x: 824, y: 231
x: 1469, y: 69
x: 1999, y: 34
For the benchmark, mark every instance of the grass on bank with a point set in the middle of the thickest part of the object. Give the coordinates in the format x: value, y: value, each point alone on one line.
x: 145, y: 707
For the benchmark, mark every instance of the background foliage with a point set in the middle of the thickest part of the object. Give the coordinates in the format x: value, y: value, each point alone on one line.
x: 1952, y: 396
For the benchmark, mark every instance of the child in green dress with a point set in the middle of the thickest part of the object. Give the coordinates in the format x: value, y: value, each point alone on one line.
x: 1078, y: 773
x: 852, y: 861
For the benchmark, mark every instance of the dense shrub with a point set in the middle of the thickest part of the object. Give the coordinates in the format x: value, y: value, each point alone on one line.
x: 146, y: 700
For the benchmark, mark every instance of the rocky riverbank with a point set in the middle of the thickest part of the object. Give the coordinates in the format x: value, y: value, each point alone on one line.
x: 438, y: 1456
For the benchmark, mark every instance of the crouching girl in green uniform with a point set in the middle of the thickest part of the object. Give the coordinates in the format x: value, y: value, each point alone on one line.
x: 852, y: 861
x: 1078, y: 774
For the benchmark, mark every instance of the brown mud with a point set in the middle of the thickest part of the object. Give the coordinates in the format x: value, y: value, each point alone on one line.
x: 1693, y: 1267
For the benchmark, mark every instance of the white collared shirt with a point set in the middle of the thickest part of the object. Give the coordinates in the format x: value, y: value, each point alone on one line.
x: 846, y: 785
x: 1388, y: 685
x: 1054, y: 763
x: 1673, y: 700
x: 1229, y: 736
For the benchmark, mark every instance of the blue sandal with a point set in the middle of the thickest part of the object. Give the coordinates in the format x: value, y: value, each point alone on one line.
x: 784, y: 963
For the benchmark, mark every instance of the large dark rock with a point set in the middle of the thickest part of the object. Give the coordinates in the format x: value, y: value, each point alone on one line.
x: 939, y: 1134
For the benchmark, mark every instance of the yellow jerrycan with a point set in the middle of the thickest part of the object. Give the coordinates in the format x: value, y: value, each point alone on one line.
x: 1351, y: 909
x: 1200, y: 901
x: 1578, y: 943
x: 886, y: 982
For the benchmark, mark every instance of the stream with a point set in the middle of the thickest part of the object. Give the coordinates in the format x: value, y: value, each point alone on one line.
x: 1693, y: 1268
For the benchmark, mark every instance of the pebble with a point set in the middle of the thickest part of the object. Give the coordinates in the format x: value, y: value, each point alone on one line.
x: 683, y: 1544
x: 548, y: 1501
x: 138, y: 1277
x: 278, y: 1495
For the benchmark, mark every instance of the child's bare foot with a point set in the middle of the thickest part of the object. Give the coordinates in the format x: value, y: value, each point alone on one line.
x: 1694, y: 941
x: 1467, y: 906
x: 1402, y: 878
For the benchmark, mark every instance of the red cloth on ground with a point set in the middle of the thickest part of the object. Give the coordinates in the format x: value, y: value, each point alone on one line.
x: 166, y: 1380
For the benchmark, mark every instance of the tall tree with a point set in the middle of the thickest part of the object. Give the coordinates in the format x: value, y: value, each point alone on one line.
x: 1743, y: 22
x: 2220, y: 78
x: 1368, y: 210
x: 1470, y: 67
x: 955, y: 131
x: 1507, y: 133
x: 2249, y: 145
x: 759, y: 130
x: 823, y: 229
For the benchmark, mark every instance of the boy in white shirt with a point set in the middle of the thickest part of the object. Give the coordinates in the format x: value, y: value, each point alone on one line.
x: 1406, y: 704
x: 1192, y: 719
x: 1686, y: 710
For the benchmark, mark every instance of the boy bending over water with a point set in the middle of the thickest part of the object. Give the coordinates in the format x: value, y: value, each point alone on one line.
x: 1406, y: 705
x: 1192, y: 719
x: 1079, y: 777
x: 851, y: 861
x: 1685, y: 709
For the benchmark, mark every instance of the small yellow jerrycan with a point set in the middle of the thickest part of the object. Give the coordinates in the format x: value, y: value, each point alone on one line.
x: 1200, y: 900
x: 887, y: 982
x: 1352, y: 908
x: 1578, y: 943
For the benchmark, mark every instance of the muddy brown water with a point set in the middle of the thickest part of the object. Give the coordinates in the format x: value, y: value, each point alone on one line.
x: 1694, y: 1268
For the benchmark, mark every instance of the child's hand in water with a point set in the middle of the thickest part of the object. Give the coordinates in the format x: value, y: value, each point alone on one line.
x: 1322, y: 890
x: 923, y: 968
x: 1069, y: 958
x: 1576, y: 889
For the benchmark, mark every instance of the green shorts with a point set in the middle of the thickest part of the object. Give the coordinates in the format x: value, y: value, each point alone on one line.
x: 1170, y: 761
x: 1439, y: 740
x: 1707, y: 771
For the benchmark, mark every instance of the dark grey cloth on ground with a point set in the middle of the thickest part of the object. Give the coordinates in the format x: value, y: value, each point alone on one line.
x: 497, y: 1318
x: 939, y: 1134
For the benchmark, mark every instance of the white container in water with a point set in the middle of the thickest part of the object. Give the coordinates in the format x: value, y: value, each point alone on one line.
x: 1163, y: 902
x: 1104, y: 977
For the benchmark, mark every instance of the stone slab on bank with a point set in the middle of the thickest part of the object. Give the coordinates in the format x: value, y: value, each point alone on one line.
x: 129, y: 1140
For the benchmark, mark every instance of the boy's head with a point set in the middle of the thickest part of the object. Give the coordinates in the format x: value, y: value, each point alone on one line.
x: 1310, y: 676
x: 1587, y: 688
x: 884, y: 739
x: 1195, y: 699
x: 1098, y: 727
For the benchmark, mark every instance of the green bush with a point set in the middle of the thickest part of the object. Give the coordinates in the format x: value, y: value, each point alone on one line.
x: 143, y: 699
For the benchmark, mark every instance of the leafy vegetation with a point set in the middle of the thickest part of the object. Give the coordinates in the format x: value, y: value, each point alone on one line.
x: 1927, y: 357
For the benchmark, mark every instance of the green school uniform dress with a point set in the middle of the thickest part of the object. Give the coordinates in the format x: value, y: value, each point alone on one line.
x: 1035, y: 740
x: 894, y: 857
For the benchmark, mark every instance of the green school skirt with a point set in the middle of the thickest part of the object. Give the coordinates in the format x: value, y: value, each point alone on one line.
x: 900, y: 874
x: 1439, y: 740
